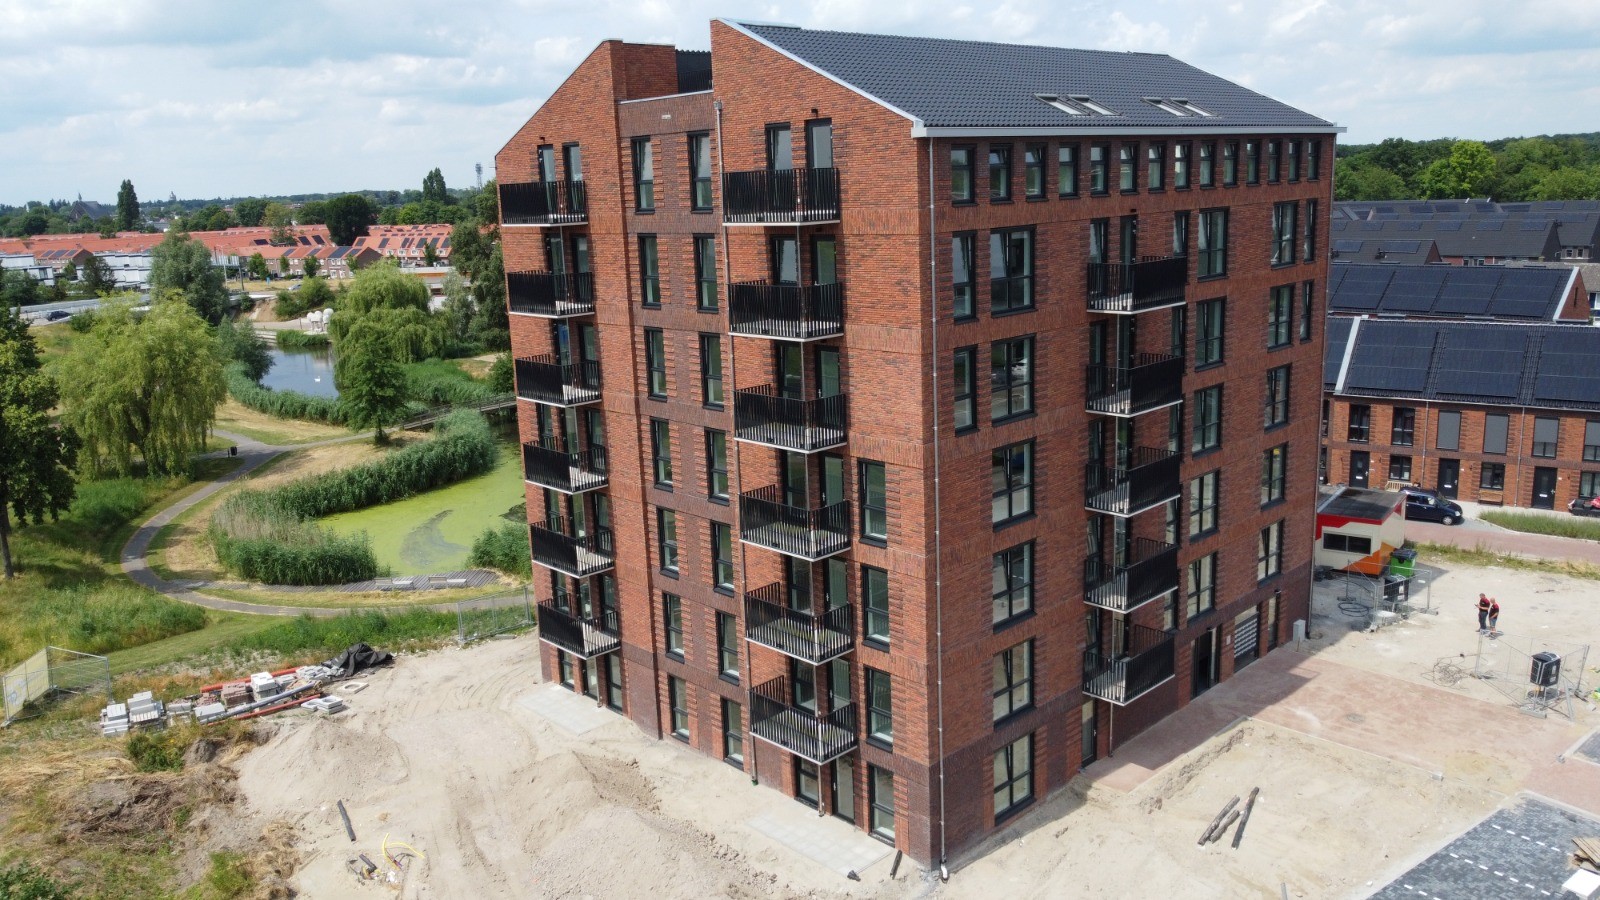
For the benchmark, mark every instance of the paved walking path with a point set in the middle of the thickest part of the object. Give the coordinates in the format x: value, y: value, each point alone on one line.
x: 1500, y: 540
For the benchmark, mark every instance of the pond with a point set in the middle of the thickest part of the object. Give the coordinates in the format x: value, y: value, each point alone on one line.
x: 433, y: 533
x: 306, y: 371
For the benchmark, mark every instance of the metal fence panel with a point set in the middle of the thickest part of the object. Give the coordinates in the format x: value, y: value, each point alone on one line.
x: 484, y: 617
x: 52, y: 670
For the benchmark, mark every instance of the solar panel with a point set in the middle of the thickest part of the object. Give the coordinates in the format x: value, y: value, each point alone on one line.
x: 1336, y: 275
x: 1566, y: 368
x: 1536, y: 225
x: 1401, y: 246
x: 1484, y: 362
x: 1390, y: 357
x: 1528, y: 293
x: 1483, y: 207
x: 1490, y: 226
x: 1370, y: 226
x: 1361, y: 288
x: 1413, y: 289
x: 1333, y: 349
x: 1448, y: 226
x: 1347, y: 246
x: 1409, y: 226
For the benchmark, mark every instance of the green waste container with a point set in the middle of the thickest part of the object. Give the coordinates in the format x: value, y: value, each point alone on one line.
x: 1403, y: 562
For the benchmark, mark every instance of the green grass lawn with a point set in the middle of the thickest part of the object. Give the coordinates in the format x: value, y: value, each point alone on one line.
x: 223, y: 629
x: 1533, y: 523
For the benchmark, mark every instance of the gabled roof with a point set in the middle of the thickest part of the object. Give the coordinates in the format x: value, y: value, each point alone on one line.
x: 1530, y: 293
x: 1540, y: 366
x: 1389, y: 252
x: 1456, y: 237
x: 952, y: 86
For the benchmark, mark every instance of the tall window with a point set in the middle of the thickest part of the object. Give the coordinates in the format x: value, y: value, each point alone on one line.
x: 875, y: 605
x: 1010, y: 378
x: 880, y: 707
x: 874, y: 501
x: 700, y: 171
x: 661, y: 452
x: 722, y: 556
x: 667, y: 539
x: 1201, y: 590
x: 728, y: 646
x: 1494, y: 432
x: 655, y: 363
x: 1252, y: 162
x: 966, y: 388
x: 1013, y: 775
x: 1269, y: 551
x: 1274, y: 160
x: 672, y: 619
x: 711, y: 369
x: 1313, y: 159
x: 1180, y: 165
x: 999, y: 172
x: 1067, y: 170
x: 1012, y: 481
x: 1308, y: 302
x: 1013, y: 680
x: 1275, y: 408
x: 1099, y: 159
x: 1213, y: 242
x: 961, y: 253
x: 1291, y: 151
x: 1208, y: 164
x: 1308, y: 236
x: 1283, y: 215
x: 1180, y: 236
x: 1274, y: 462
x: 705, y: 272
x: 1010, y: 270
x: 1127, y: 167
x: 1155, y: 176
x: 961, y: 174
x: 1404, y: 429
x: 1360, y: 423
x: 1546, y: 434
x: 649, y: 271
x: 644, y: 175
x: 1280, y: 316
x: 1203, y: 502
x: 1591, y: 441
x: 678, y: 703
x: 1449, y: 433
x: 717, y: 464
x: 1230, y: 163
x: 1033, y: 170
x: 1207, y: 419
x: 1208, y: 333
x: 880, y: 801
x: 732, y: 732
x: 1013, y: 582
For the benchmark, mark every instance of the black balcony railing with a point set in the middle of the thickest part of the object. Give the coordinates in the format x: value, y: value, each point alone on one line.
x: 548, y: 464
x: 556, y: 547
x: 813, y: 637
x: 550, y: 294
x: 791, y: 311
x: 1151, y: 283
x: 547, y: 380
x: 818, y: 737
x: 762, y: 416
x: 1149, y: 479
x: 582, y: 636
x: 1151, y: 572
x: 1146, y: 662
x: 780, y: 197
x: 544, y: 203
x: 1153, y: 381
x: 767, y: 521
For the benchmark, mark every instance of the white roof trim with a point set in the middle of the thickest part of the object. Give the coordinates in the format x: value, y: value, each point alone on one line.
x: 1349, y: 350
x: 663, y: 97
x: 916, y: 123
x: 1566, y: 292
x: 1112, y: 129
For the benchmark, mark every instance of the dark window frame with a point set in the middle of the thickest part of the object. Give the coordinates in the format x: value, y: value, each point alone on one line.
x: 727, y: 627
x: 1275, y: 406
x: 1200, y: 586
x: 1014, y: 486
x: 1017, y: 781
x: 1128, y: 167
x: 957, y: 197
x: 1012, y: 579
x: 1269, y: 551
x: 1206, y: 159
x: 1212, y: 247
x: 1230, y: 163
x: 672, y: 624
x: 1403, y: 426
x: 1205, y: 493
x: 1359, y: 426
x: 713, y: 377
x: 697, y: 178
x: 732, y: 736
x: 661, y: 453
x: 1308, y: 233
x: 1206, y: 434
x: 1033, y: 177
x: 1274, y: 474
x: 1308, y: 303
x: 1099, y: 170
x: 678, y: 707
x: 1067, y: 162
x: 1000, y: 163
x: 1546, y: 449
x: 668, y: 549
x: 1182, y: 176
x: 964, y: 403
x: 1012, y: 281
x: 705, y: 273
x: 1011, y: 395
x: 655, y: 363
x: 1155, y: 176
x: 871, y: 615
x: 713, y: 473
x: 1492, y: 476
x: 650, y: 270
x: 1210, y: 332
x: 880, y: 715
x: 1284, y: 218
x: 722, y: 574
x: 874, y: 515
x: 644, y: 189
x: 1280, y: 316
x: 1011, y: 691
x: 964, y: 294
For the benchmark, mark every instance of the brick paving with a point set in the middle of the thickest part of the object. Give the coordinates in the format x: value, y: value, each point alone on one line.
x: 1518, y: 852
x: 1539, y: 546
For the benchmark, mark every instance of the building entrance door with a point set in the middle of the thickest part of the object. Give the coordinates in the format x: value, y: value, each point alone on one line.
x: 1544, y: 488
x: 1449, y: 477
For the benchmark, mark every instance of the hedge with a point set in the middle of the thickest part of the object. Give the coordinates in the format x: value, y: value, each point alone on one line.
x: 283, y: 404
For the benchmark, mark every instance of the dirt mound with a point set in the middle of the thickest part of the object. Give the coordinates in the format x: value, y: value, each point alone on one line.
x: 323, y: 759
x: 143, y: 804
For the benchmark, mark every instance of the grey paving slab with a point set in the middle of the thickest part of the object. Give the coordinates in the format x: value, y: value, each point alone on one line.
x: 821, y: 839
x: 1589, y: 750
x: 566, y: 710
x: 1515, y: 854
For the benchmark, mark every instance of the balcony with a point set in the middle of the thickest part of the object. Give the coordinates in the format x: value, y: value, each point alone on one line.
x: 1149, y: 479
x: 766, y: 521
x: 812, y: 637
x: 579, y: 555
x: 762, y: 416
x: 815, y: 736
x: 1151, y: 572
x: 1154, y: 381
x: 548, y: 464
x: 786, y: 312
x: 549, y: 294
x: 780, y: 197
x: 544, y: 379
x: 544, y: 203
x: 1151, y: 283
x: 1146, y: 663
x: 583, y: 636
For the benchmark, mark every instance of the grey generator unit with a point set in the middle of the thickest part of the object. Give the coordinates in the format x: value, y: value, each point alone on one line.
x: 1546, y: 669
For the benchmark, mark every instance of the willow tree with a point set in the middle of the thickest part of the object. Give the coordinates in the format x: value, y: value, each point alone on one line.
x: 397, y: 304
x: 35, y: 453
x: 146, y: 387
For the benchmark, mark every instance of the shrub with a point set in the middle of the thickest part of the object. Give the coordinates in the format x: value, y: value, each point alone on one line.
x: 111, y: 616
x: 82, y: 322
x: 302, y: 340
x: 255, y: 537
x: 304, y: 634
x: 245, y: 347
x: 106, y: 505
x: 155, y: 751
x: 229, y: 875
x: 22, y: 881
x: 503, y: 548
x: 440, y: 383
x: 283, y: 404
x: 502, y: 376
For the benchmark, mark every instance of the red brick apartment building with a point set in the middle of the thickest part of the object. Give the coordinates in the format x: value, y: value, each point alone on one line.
x: 774, y: 512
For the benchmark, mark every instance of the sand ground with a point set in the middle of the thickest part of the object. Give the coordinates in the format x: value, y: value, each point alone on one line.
x: 1366, y: 760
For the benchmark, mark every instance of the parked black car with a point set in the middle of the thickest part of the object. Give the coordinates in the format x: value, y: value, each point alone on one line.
x: 57, y: 315
x: 1427, y: 506
x: 1585, y: 506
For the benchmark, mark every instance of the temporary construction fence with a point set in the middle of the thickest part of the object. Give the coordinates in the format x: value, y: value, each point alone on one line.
x: 53, y: 670
x: 1536, y: 674
x: 484, y: 617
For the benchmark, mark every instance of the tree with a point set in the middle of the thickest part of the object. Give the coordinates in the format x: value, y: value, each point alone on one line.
x: 250, y: 210
x: 97, y: 276
x: 433, y: 188
x: 459, y: 307
x: 256, y: 265
x: 414, y: 214
x: 1567, y: 184
x: 1469, y: 171
x: 182, y: 264
x: 310, y: 265
x: 491, y: 326
x: 34, y: 221
x: 1368, y: 183
x: 430, y: 255
x: 283, y: 266
x: 244, y: 346
x: 221, y: 220
x: 127, y: 207
x: 397, y: 304
x: 36, y: 455
x: 469, y: 248
x: 278, y: 218
x: 147, y: 385
x: 18, y: 288
x: 69, y: 272
x: 371, y: 381
x: 312, y: 212
x: 347, y: 218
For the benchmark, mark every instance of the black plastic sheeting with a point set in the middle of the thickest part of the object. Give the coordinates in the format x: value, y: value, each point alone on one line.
x: 357, y: 658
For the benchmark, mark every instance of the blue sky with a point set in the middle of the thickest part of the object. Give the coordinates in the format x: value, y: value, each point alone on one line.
x: 221, y: 98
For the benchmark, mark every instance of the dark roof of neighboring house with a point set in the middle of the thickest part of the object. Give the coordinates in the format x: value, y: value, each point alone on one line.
x: 1501, y: 238
x: 1409, y: 253
x: 946, y: 83
x: 1359, y: 503
x: 1527, y: 293
x: 1577, y: 221
x: 1542, y: 366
